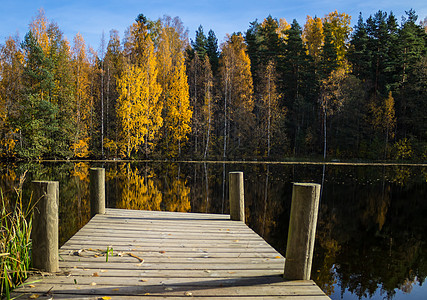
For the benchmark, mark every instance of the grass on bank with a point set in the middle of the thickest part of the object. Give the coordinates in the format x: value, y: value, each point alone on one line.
x: 15, y: 241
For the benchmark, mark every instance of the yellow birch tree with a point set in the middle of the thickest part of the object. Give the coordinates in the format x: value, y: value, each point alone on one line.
x: 237, y: 86
x: 283, y: 25
x: 138, y: 107
x: 81, y: 71
x: 312, y: 36
x: 175, y: 96
x: 341, y: 30
x: 39, y: 27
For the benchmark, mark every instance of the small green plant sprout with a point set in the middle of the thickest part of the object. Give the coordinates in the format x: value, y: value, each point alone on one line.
x: 109, y: 252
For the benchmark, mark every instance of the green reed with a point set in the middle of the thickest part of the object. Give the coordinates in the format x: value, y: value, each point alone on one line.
x: 15, y: 241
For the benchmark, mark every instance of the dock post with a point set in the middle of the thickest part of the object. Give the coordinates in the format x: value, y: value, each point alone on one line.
x: 302, y: 231
x: 97, y: 191
x: 237, y: 196
x: 44, y: 233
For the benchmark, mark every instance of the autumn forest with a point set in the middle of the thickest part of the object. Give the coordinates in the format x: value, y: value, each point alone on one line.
x: 324, y: 90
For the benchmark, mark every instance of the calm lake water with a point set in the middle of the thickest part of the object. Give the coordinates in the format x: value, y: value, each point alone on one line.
x: 371, y: 239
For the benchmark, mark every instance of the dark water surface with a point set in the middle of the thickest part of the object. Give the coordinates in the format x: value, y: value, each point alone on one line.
x: 371, y: 239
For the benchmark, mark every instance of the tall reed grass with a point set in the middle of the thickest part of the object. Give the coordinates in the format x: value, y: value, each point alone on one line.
x: 15, y: 241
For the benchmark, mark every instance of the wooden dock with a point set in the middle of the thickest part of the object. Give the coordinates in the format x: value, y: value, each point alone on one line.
x: 167, y: 255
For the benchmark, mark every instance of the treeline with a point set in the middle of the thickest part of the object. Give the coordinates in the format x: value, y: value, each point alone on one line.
x: 277, y: 90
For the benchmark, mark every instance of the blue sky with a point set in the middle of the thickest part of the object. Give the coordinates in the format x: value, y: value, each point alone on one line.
x: 92, y: 17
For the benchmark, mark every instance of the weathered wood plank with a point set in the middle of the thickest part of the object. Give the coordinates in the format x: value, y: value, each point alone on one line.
x: 177, y: 290
x: 183, y: 255
x: 135, y: 265
x: 168, y: 260
x: 143, y: 248
x: 159, y: 233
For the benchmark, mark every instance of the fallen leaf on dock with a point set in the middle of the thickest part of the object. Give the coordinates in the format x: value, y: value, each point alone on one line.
x: 235, y: 241
x: 143, y: 280
x: 105, y: 298
x: 162, y: 252
x: 168, y: 289
x: 34, y: 296
x: 115, y: 290
x: 188, y: 294
x: 93, y: 283
x: 31, y: 286
x: 95, y: 274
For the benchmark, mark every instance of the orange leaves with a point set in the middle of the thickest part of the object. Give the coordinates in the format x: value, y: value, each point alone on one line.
x: 81, y: 148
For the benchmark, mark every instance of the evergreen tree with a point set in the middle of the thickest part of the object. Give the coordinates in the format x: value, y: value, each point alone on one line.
x: 62, y: 92
x: 411, y: 98
x: 38, y: 116
x: 359, y: 55
x: 200, y: 43
x: 298, y: 77
x: 212, y: 51
x: 379, y: 45
x: 413, y: 44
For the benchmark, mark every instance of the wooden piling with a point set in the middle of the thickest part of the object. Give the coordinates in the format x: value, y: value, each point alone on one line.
x: 236, y: 196
x: 44, y: 233
x: 97, y: 191
x: 302, y: 231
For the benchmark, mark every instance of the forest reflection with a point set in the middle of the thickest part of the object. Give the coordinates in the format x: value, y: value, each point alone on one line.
x: 371, y: 235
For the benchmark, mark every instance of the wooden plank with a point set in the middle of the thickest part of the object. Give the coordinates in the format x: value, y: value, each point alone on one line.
x: 142, y: 248
x: 167, y: 260
x: 181, y: 255
x: 135, y: 265
x: 177, y: 290
x: 161, y: 233
x: 174, y: 256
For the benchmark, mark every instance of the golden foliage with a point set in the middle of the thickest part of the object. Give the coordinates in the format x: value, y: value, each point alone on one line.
x: 175, y: 95
x: 283, y: 25
x: 110, y: 145
x: 341, y: 30
x: 236, y: 68
x: 81, y: 148
x: 139, y: 109
x: 39, y: 29
x: 83, y: 103
x: 313, y: 37
x: 383, y: 115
